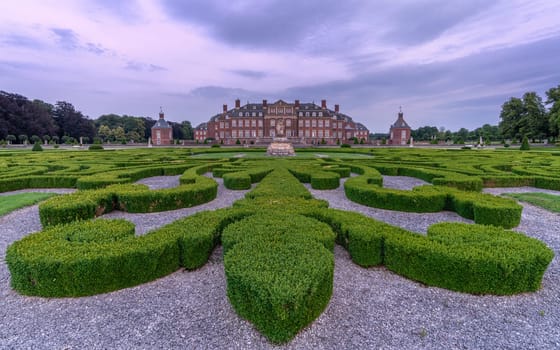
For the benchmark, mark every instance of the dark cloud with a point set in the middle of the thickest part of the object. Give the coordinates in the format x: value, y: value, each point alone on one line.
x: 66, y: 38
x: 276, y: 24
x: 143, y: 67
x: 224, y: 93
x: 253, y: 74
x: 95, y: 48
x: 21, y: 41
x: 418, y: 22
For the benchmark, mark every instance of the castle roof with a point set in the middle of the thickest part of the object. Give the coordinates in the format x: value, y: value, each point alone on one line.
x: 400, y: 123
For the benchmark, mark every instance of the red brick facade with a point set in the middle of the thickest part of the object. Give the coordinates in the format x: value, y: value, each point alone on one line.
x: 298, y: 122
x: 162, y: 133
x: 399, y: 134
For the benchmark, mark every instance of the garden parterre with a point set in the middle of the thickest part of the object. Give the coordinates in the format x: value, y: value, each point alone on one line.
x: 190, y: 241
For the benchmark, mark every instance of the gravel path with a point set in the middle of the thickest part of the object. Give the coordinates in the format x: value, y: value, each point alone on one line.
x: 370, y: 308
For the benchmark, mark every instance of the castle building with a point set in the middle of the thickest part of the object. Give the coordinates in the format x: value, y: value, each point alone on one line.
x: 399, y: 133
x: 304, y: 123
x: 162, y: 133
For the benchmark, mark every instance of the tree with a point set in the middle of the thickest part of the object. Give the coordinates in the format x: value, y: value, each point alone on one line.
x: 71, y: 122
x: 35, y: 138
x: 188, y: 133
x: 22, y: 138
x: 104, y: 132
x: 47, y: 138
x: 534, y: 121
x: 553, y: 99
x: 37, y: 146
x: 10, y: 138
x: 511, y: 115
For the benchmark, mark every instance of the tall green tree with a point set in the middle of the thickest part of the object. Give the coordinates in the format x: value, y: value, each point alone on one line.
x: 553, y: 99
x: 534, y: 121
x: 511, y: 116
x: 188, y: 133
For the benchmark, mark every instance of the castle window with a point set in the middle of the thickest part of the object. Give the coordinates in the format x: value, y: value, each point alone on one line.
x: 288, y: 122
x: 254, y: 114
x: 326, y: 133
x: 320, y: 114
x: 327, y: 123
x: 254, y: 107
x: 313, y: 123
x: 241, y: 114
x: 307, y: 114
x: 234, y: 133
x: 307, y: 123
x: 300, y: 114
x: 272, y: 122
x: 221, y: 125
x: 260, y: 114
x: 234, y: 123
x: 260, y: 123
x: 313, y: 114
x: 253, y: 122
x: 300, y: 123
x: 320, y: 123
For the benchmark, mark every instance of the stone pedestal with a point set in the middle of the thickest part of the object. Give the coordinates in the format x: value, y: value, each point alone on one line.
x: 280, y: 147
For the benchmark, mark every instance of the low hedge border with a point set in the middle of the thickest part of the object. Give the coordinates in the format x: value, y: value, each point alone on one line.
x: 37, y: 181
x: 482, y: 208
x: 88, y: 204
x: 98, y: 256
x: 320, y: 177
x: 469, y: 258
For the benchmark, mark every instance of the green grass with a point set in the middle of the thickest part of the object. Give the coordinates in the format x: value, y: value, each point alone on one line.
x: 16, y: 201
x: 546, y: 201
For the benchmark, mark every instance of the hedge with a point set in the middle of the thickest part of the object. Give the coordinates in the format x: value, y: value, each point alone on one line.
x: 482, y: 208
x: 474, y: 259
x: 37, y: 181
x: 131, y: 198
x: 98, y: 256
x: 279, y: 271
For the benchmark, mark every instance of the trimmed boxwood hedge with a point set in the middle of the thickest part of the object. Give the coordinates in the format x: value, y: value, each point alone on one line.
x: 88, y: 204
x: 470, y: 258
x: 279, y: 271
x: 482, y: 208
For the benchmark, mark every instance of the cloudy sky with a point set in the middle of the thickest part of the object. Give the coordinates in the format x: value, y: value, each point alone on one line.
x: 449, y: 63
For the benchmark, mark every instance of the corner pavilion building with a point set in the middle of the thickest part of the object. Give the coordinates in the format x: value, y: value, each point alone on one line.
x: 260, y: 123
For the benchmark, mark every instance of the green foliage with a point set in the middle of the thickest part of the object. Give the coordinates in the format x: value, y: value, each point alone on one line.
x: 95, y: 147
x: 525, y: 144
x: 16, y: 201
x: 470, y: 258
x: 215, y: 146
x: 345, y: 145
x: 37, y: 147
x: 279, y: 271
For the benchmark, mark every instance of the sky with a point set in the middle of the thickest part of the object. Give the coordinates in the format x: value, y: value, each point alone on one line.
x: 448, y: 63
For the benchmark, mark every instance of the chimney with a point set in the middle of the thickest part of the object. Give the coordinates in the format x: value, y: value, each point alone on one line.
x: 237, y: 104
x: 264, y: 104
x: 296, y: 103
x: 225, y: 108
x: 336, y: 108
x: 324, y: 104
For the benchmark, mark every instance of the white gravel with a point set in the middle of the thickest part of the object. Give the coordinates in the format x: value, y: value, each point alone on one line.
x: 370, y: 308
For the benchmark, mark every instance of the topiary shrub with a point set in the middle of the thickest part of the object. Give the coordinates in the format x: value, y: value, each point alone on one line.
x: 525, y: 144
x: 215, y: 146
x: 279, y: 272
x: 37, y: 147
x: 345, y: 145
x: 95, y: 147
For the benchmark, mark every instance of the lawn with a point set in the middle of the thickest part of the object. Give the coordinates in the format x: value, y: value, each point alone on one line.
x: 546, y: 201
x: 16, y: 201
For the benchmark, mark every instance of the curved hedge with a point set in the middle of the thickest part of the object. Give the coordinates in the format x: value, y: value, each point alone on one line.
x: 482, y: 208
x: 81, y: 205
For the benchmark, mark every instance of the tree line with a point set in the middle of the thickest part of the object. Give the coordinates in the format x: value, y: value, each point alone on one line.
x: 23, y: 121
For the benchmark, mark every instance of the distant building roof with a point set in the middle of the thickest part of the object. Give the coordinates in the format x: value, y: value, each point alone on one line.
x: 161, y: 123
x: 400, y: 123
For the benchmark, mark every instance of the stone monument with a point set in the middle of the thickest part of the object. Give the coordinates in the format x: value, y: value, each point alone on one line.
x: 280, y: 145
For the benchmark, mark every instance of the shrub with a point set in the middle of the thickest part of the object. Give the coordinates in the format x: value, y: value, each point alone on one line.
x: 525, y: 144
x: 95, y: 147
x: 470, y: 258
x: 345, y: 145
x: 215, y: 146
x: 37, y: 147
x: 279, y: 276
